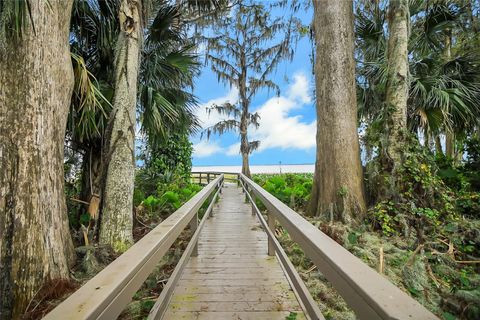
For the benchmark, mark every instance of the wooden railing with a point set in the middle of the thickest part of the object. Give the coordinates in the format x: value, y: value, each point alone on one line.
x: 204, y: 178
x: 107, y: 294
x: 369, y: 294
x: 308, y: 304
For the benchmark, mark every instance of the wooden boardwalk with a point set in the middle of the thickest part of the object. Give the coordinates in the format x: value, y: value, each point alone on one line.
x: 233, y: 277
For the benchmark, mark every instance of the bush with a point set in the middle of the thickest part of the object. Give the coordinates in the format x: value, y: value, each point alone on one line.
x: 417, y: 199
x: 292, y: 189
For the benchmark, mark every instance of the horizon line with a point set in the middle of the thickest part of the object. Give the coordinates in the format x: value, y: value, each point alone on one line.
x: 236, y: 165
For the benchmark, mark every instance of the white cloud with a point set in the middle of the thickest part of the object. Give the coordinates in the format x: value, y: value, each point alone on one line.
x: 206, y: 119
x: 280, y: 130
x: 206, y: 148
x: 233, y: 150
x: 300, y: 89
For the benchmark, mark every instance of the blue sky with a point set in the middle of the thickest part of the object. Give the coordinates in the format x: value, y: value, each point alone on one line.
x: 287, y: 124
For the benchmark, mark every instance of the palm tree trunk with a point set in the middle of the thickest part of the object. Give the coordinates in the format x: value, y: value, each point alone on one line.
x: 117, y: 219
x: 36, y: 82
x: 450, y: 135
x: 91, y: 184
x: 438, y: 145
x: 338, y: 179
x: 450, y: 144
x: 397, y: 85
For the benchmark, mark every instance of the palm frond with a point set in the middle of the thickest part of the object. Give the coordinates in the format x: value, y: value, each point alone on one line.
x: 89, y: 107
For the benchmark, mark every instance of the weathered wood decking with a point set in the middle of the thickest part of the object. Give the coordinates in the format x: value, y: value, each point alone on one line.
x: 232, y: 277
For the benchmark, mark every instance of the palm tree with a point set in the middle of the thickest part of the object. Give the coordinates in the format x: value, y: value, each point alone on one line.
x: 164, y: 104
x: 444, y: 89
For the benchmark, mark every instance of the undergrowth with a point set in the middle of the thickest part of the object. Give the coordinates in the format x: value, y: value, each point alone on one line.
x: 429, y: 232
x: 155, y: 199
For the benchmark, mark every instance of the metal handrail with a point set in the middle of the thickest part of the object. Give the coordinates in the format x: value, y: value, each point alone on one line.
x: 106, y: 295
x: 370, y: 295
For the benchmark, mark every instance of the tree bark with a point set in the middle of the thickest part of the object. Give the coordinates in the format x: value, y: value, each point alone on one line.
x: 338, y: 179
x: 36, y: 82
x: 397, y: 81
x: 438, y: 145
x: 449, y: 134
x: 91, y: 185
x: 117, y: 220
x: 244, y: 150
x: 244, y: 145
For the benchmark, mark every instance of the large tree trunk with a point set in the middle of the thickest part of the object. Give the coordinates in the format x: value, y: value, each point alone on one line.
x: 338, y: 180
x: 244, y: 146
x: 36, y: 82
x: 397, y: 82
x: 117, y: 220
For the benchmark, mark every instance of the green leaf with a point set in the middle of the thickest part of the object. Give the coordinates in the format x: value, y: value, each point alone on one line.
x: 84, y: 218
x: 448, y: 316
x: 353, y: 238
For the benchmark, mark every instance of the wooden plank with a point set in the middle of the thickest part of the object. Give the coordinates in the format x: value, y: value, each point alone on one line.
x: 234, y: 282
x: 276, y: 290
x: 227, y: 270
x: 234, y: 306
x: 235, y: 276
x: 259, y: 315
x: 252, y: 296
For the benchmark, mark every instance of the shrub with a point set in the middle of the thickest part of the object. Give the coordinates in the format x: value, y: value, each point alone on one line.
x: 292, y: 189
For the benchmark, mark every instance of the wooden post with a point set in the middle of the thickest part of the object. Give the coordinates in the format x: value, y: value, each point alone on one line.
x: 271, y: 226
x: 380, y: 266
x: 193, y: 228
x: 253, y: 203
